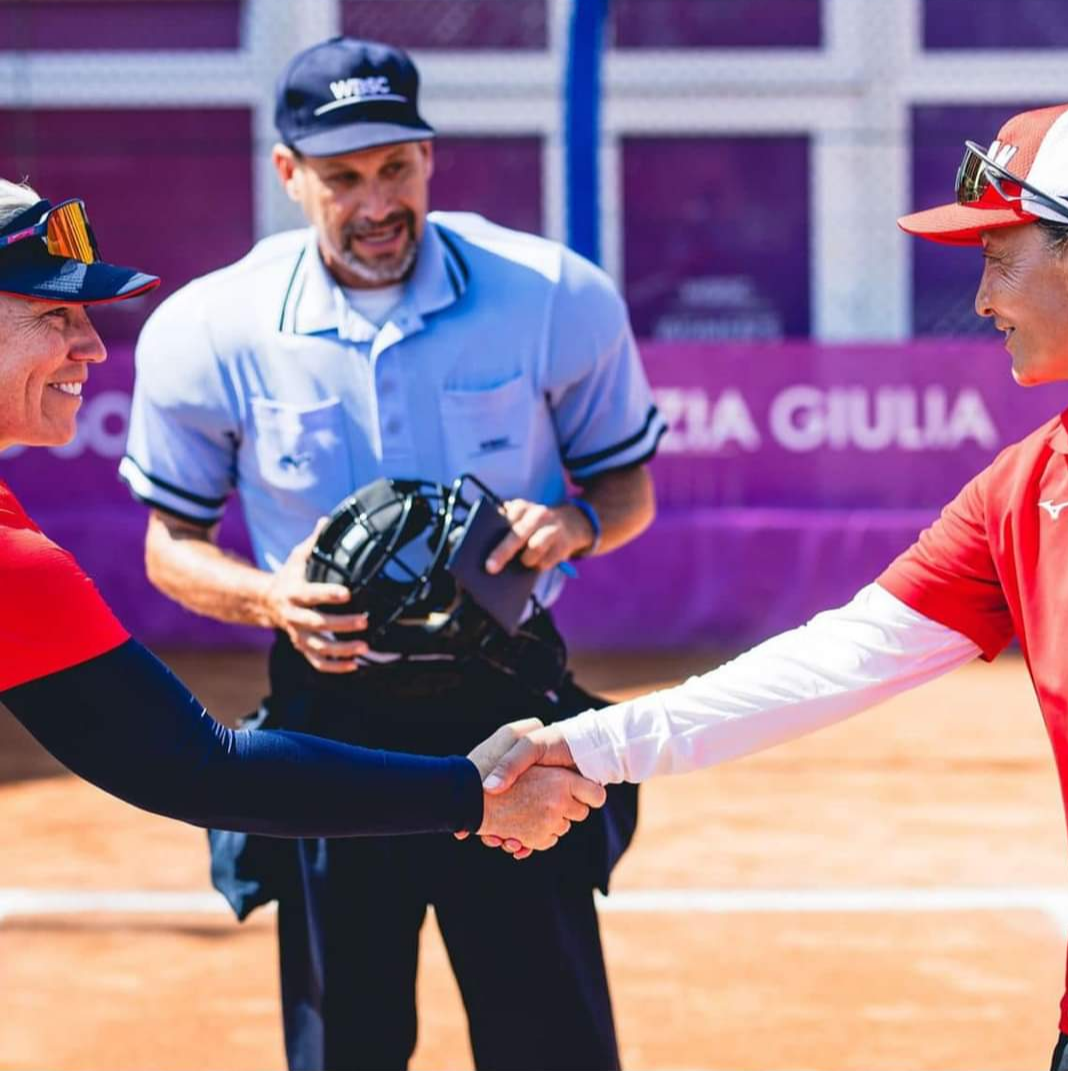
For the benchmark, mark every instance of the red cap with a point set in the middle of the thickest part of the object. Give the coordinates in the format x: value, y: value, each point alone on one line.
x: 1033, y: 146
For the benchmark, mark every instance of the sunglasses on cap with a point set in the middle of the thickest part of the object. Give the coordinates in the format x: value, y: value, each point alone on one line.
x: 979, y: 172
x: 64, y: 230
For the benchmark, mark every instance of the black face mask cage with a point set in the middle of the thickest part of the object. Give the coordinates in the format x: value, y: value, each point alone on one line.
x: 388, y: 543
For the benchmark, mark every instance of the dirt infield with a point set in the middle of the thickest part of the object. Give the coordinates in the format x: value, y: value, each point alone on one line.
x: 880, y: 895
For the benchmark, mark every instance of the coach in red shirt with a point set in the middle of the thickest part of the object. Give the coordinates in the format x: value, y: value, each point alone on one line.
x: 994, y: 566
x: 97, y: 699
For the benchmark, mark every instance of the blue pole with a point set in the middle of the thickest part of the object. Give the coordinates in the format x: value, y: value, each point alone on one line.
x: 582, y: 127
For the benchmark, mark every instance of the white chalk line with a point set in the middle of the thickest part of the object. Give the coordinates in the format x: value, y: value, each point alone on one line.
x: 1051, y: 901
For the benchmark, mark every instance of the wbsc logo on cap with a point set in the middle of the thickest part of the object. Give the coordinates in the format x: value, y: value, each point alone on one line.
x: 345, y: 95
x: 359, y: 91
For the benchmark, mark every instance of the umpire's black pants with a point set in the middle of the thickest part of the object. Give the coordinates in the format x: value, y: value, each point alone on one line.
x: 522, y: 937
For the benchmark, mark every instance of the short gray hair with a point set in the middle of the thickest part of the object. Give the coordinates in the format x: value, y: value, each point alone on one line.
x: 15, y: 197
x: 1055, y: 233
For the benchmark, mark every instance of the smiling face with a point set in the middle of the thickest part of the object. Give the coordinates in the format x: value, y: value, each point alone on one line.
x: 1024, y: 289
x: 369, y: 208
x: 45, y: 352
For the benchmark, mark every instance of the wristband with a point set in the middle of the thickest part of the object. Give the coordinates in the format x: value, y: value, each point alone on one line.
x: 590, y: 514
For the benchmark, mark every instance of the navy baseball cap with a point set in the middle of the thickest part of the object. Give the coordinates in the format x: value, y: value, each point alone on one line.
x: 75, y: 276
x: 344, y: 95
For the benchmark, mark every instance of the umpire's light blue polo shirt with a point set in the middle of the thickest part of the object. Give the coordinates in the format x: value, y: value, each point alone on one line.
x: 508, y: 357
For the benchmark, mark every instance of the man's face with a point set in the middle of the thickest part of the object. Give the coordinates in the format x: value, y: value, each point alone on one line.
x: 45, y: 352
x: 369, y: 208
x: 1024, y: 289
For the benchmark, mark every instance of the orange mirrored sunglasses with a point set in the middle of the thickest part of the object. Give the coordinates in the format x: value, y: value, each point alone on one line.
x: 65, y: 231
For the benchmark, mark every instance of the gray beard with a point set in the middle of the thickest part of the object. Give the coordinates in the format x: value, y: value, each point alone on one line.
x: 380, y: 274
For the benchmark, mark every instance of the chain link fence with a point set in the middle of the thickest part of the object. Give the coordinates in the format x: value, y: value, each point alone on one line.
x: 754, y: 153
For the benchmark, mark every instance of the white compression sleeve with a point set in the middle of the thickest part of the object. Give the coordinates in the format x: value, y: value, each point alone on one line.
x: 840, y: 663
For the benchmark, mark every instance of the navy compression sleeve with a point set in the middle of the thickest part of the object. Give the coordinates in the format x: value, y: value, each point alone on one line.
x: 124, y: 722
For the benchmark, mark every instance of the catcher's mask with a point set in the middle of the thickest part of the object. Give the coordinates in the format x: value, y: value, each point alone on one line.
x: 391, y: 543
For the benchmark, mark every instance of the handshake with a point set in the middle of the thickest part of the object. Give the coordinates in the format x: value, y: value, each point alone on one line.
x: 531, y: 791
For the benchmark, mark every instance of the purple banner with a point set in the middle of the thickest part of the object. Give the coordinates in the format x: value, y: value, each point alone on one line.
x: 459, y: 24
x: 719, y: 24
x: 944, y: 278
x: 791, y: 475
x: 860, y: 426
x: 704, y: 257
x: 994, y: 24
x: 110, y: 25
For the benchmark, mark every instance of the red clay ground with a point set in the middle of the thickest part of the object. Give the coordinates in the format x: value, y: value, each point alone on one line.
x: 949, y: 788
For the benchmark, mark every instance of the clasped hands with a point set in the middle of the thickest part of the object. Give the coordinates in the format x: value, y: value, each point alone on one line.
x: 531, y: 790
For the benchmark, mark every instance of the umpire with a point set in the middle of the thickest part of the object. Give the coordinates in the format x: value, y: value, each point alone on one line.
x: 385, y: 340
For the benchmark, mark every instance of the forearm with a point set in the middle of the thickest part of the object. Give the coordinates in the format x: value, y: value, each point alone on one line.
x: 625, y: 503
x: 185, y: 564
x: 125, y: 723
x: 840, y: 663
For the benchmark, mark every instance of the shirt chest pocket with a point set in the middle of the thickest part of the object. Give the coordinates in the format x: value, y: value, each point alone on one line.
x: 303, y: 450
x: 488, y: 433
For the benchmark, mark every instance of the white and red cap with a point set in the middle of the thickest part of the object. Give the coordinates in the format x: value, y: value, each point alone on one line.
x: 1034, y: 147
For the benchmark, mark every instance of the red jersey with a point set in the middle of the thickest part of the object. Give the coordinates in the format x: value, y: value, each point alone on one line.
x: 51, y: 615
x: 995, y: 565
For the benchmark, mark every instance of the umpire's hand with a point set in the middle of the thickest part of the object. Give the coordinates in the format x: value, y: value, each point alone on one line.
x: 542, y: 536
x: 291, y: 603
